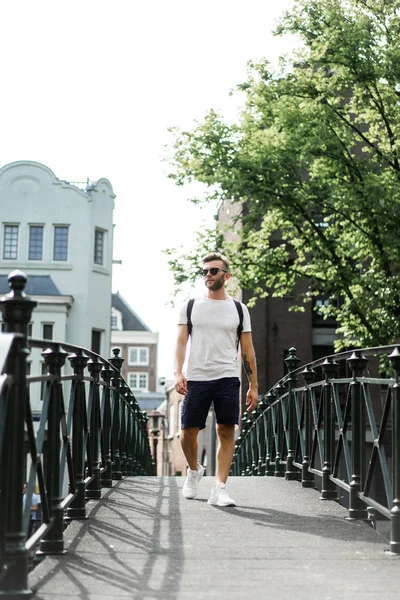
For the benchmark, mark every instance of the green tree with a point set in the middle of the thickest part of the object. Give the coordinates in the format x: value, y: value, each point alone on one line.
x: 314, y: 163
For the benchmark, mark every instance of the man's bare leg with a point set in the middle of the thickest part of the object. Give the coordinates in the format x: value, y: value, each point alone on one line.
x: 190, y: 446
x: 226, y: 447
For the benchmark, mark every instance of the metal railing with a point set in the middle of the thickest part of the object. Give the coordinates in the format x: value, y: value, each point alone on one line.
x: 91, y: 432
x: 338, y: 432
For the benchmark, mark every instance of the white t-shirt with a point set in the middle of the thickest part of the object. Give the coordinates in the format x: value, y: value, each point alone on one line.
x: 213, y: 342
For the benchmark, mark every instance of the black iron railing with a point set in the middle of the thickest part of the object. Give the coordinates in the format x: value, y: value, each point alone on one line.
x: 90, y: 432
x: 337, y: 430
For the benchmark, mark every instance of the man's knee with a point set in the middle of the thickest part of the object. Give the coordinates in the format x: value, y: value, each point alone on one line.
x: 225, y: 432
x: 189, y: 434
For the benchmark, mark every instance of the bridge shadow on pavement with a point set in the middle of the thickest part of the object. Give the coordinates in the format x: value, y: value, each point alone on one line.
x: 144, y: 541
x: 124, y: 548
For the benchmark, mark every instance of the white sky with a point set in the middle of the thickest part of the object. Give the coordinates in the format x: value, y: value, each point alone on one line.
x: 89, y: 88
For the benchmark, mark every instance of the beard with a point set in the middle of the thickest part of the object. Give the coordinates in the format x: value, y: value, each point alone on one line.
x: 217, y: 284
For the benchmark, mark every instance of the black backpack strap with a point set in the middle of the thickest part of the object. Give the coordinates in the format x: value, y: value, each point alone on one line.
x: 240, y: 326
x: 189, y: 309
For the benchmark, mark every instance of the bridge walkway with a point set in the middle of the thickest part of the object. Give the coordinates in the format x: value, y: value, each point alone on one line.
x: 144, y: 540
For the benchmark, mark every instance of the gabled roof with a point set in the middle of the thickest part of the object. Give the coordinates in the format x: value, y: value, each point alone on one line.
x: 38, y: 285
x: 130, y: 320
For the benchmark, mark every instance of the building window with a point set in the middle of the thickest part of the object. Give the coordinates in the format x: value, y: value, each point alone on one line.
x: 30, y: 325
x: 3, y: 327
x: 60, y: 251
x: 99, y: 247
x: 319, y: 304
x: 35, y: 242
x: 47, y: 331
x: 138, y: 381
x: 10, y: 247
x: 171, y: 420
x: 96, y: 341
x: 138, y: 356
x: 116, y: 320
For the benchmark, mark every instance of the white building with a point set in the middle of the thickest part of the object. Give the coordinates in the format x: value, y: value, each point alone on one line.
x: 61, y: 236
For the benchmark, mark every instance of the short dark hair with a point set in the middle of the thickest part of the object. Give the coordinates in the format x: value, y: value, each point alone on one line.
x: 216, y: 256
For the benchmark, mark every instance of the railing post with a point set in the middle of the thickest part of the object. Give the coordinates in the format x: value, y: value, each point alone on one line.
x: 269, y: 432
x: 278, y: 431
x: 17, y: 309
x: 248, y: 444
x: 54, y: 359
x: 357, y: 509
x: 328, y: 491
x: 395, y: 510
x: 262, y: 441
x: 78, y: 360
x: 93, y: 490
x: 307, y: 478
x: 292, y: 362
x: 128, y: 439
x: 116, y: 361
x: 147, y: 469
x: 245, y: 427
x: 123, y: 432
x: 106, y: 476
x: 254, y: 449
x: 135, y: 439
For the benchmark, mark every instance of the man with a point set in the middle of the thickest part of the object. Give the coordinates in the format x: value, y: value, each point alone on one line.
x: 212, y: 375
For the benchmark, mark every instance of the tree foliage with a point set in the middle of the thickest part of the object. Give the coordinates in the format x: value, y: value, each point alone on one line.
x: 314, y: 163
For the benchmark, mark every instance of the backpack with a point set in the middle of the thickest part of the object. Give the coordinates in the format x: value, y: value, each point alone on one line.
x: 238, y: 308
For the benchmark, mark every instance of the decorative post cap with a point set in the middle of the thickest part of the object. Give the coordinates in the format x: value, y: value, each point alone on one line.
x: 292, y: 361
x: 17, y: 281
x: 357, y: 363
x: 16, y: 306
x: 329, y: 368
x: 116, y: 360
x: 309, y: 375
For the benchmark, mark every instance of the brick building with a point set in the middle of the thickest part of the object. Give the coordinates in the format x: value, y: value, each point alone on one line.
x: 276, y: 329
x: 138, y: 347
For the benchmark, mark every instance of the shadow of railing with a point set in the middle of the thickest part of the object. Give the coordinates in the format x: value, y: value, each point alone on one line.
x: 338, y: 432
x: 90, y: 432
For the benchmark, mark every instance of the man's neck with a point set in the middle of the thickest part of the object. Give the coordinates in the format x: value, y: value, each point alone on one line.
x: 217, y: 294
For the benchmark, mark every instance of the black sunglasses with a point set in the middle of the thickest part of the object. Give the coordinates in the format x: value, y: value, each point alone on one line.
x: 213, y: 271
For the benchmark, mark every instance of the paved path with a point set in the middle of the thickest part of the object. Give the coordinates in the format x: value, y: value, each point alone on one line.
x: 145, y: 541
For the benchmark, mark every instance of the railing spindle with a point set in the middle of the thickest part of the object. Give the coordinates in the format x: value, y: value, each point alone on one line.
x: 357, y: 509
x: 77, y: 509
x: 17, y: 309
x: 328, y: 492
x: 292, y: 362
x: 53, y: 542
x: 395, y: 510
x: 93, y: 490
x: 307, y: 478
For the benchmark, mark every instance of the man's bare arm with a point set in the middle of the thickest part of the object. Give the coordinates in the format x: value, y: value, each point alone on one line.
x: 180, y: 352
x: 250, y: 367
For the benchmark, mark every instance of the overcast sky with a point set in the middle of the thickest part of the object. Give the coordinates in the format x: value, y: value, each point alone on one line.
x: 89, y: 88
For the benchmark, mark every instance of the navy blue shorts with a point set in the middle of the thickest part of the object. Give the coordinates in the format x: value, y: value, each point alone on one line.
x: 224, y: 393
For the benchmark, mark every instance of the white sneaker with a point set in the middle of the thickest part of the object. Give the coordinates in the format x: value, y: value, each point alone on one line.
x: 219, y: 496
x: 192, y: 481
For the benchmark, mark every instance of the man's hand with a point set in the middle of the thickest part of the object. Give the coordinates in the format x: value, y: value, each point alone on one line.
x: 181, y: 384
x: 251, y: 400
